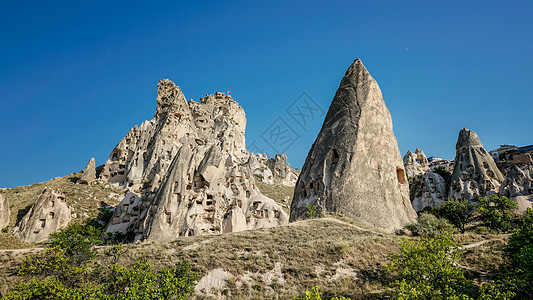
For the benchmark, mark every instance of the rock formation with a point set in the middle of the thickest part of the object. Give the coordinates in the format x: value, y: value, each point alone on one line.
x: 272, y: 170
x: 475, y: 173
x: 518, y: 186
x: 4, y: 212
x: 433, y: 191
x: 415, y: 163
x: 49, y: 214
x: 355, y: 167
x: 189, y: 164
x: 89, y: 173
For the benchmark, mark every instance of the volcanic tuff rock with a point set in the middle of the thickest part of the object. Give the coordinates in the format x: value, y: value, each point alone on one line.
x: 433, y: 191
x: 415, y: 163
x: 518, y: 186
x: 475, y: 173
x: 89, y: 173
x: 190, y: 167
x: 4, y: 212
x: 272, y: 170
x: 354, y: 167
x: 49, y: 214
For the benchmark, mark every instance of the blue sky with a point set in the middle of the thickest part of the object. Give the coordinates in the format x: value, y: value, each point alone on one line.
x: 76, y: 77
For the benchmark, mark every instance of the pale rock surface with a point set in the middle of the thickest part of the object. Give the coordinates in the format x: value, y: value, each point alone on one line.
x: 415, y: 163
x: 475, y: 173
x: 49, y: 214
x: 272, y: 170
x: 4, y: 212
x: 89, y: 173
x: 355, y: 167
x: 190, y: 166
x: 433, y: 191
x: 518, y: 186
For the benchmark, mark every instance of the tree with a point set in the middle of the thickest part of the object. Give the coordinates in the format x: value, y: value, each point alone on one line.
x: 315, y: 294
x: 428, y: 270
x: 457, y: 212
x: 429, y: 225
x: 67, y: 269
x: 497, y: 212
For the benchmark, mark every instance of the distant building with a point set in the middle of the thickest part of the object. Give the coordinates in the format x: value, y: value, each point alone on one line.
x: 496, y: 152
x: 435, y: 158
x: 526, y: 148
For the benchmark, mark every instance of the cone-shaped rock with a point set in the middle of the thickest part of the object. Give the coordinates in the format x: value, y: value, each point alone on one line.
x: 355, y: 167
x: 48, y: 215
x: 475, y: 173
x: 89, y: 173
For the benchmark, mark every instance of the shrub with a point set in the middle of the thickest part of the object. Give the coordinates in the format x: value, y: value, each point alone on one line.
x: 429, y: 225
x: 519, y: 252
x: 457, y: 212
x: 77, y: 240
x: 497, y: 212
x: 311, y: 211
x: 428, y: 270
x: 315, y: 294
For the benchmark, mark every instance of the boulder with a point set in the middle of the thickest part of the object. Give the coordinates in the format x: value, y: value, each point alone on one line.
x: 49, y: 214
x: 475, y: 173
x: 354, y: 166
x: 4, y: 212
x: 89, y: 173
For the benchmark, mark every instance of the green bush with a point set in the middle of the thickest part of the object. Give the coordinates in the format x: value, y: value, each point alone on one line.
x: 428, y: 270
x: 429, y: 225
x: 497, y: 212
x: 315, y: 294
x: 77, y: 240
x: 457, y: 212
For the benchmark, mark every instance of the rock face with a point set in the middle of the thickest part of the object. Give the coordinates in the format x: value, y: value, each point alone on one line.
x: 190, y: 166
x: 89, y: 173
x: 49, y: 214
x: 354, y: 167
x: 475, y: 173
x: 518, y: 186
x: 433, y: 192
x: 4, y: 212
x: 415, y: 163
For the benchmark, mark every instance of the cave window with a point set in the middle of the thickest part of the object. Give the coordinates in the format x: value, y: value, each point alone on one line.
x: 334, y: 156
x: 247, y: 194
x: 178, y: 197
x: 43, y: 223
x: 209, y: 196
x: 485, y: 165
x: 190, y: 233
x: 199, y: 201
x: 400, y: 174
x: 169, y: 217
x: 304, y: 192
x: 114, y: 156
x: 51, y: 214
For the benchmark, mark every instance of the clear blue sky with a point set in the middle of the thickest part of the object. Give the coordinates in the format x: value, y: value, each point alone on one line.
x: 76, y: 77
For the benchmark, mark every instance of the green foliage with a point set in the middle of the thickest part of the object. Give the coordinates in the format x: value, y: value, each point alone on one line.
x: 5, y: 229
x: 429, y: 225
x: 315, y: 294
x: 77, y: 240
x: 457, y: 212
x: 311, y: 211
x: 519, y: 252
x: 495, y: 291
x: 497, y: 212
x: 442, y: 172
x: 66, y: 270
x: 428, y: 270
